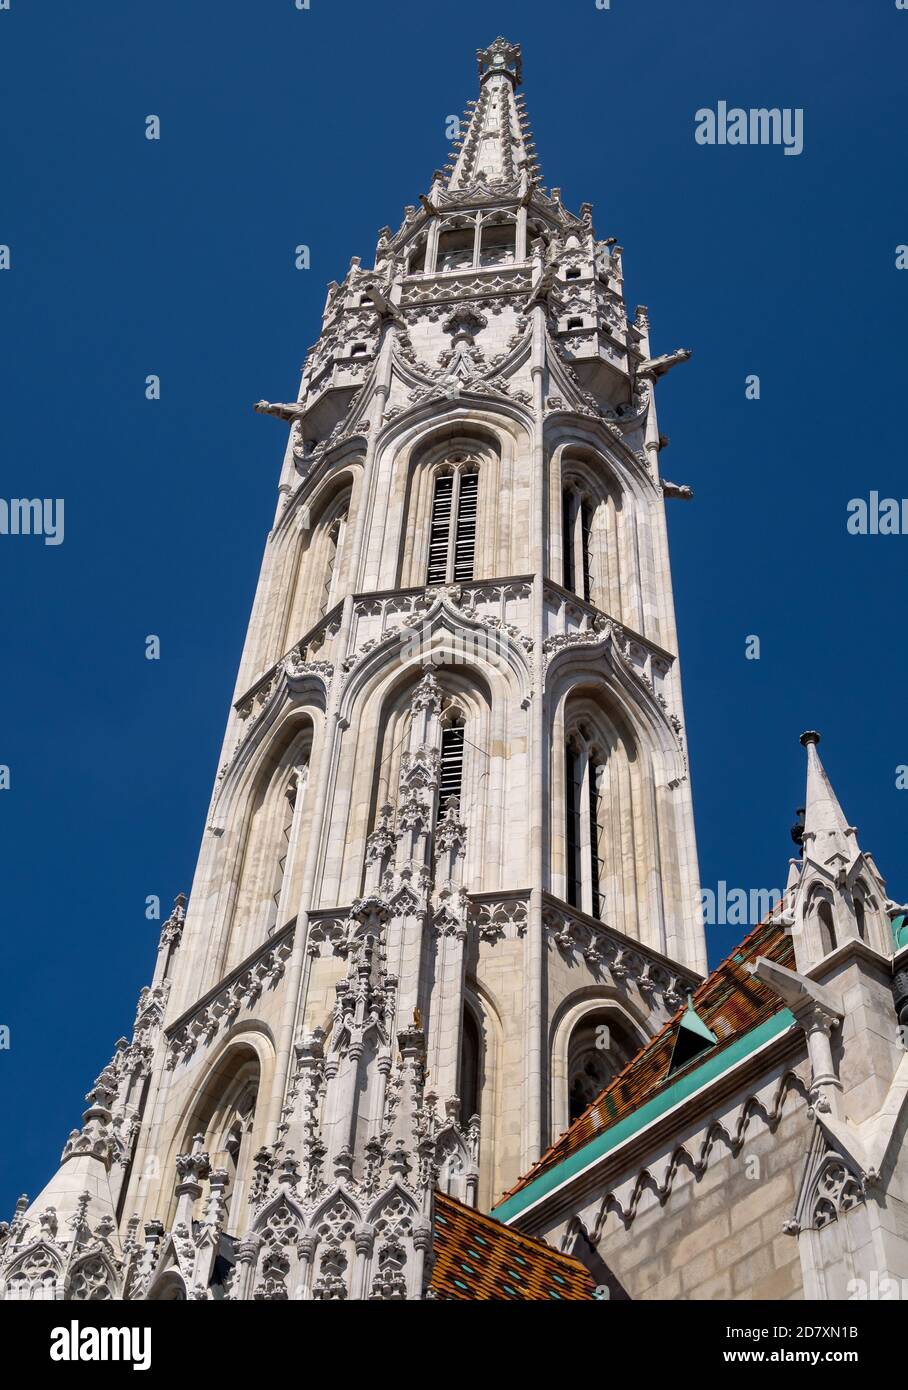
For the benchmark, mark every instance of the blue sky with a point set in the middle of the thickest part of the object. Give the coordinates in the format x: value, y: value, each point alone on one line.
x: 280, y: 127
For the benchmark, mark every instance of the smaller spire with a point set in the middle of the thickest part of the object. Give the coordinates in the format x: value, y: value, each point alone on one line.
x: 827, y: 833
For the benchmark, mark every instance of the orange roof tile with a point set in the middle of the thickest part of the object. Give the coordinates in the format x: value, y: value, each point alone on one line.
x: 730, y: 1001
x: 478, y: 1258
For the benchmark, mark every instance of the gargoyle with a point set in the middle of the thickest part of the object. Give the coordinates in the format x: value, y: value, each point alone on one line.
x: 657, y: 366
x: 677, y: 490
x: 283, y: 412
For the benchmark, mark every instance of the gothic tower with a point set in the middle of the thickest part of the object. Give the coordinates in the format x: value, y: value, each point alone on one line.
x: 448, y: 880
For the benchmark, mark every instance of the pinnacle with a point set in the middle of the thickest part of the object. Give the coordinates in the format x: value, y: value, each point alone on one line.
x: 826, y: 829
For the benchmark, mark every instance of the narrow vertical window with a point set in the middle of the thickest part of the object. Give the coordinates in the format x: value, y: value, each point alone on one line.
x: 567, y: 529
x: 451, y: 775
x: 861, y: 918
x: 586, y: 534
x: 572, y: 793
x: 465, y: 534
x: 577, y: 513
x: 334, y: 542
x: 827, y: 929
x: 292, y: 795
x: 593, y: 772
x: 439, y: 538
x: 452, y: 538
x: 470, y: 1054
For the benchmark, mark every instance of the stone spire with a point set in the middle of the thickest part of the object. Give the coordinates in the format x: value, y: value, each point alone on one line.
x: 496, y: 146
x: 827, y: 834
x: 837, y: 893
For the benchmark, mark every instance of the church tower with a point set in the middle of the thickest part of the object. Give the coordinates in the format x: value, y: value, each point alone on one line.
x: 447, y: 883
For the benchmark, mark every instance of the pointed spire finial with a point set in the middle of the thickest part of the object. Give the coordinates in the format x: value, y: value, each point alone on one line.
x: 826, y: 830
x: 500, y: 56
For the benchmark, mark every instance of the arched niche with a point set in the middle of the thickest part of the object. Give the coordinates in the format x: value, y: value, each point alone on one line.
x: 593, y: 1037
x: 266, y: 840
x: 593, y: 541
x: 489, y: 676
x: 321, y: 565
x: 404, y: 488
x: 603, y: 832
x: 227, y: 1108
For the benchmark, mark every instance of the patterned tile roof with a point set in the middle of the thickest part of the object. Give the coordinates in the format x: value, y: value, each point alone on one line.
x: 730, y: 1002
x: 478, y: 1258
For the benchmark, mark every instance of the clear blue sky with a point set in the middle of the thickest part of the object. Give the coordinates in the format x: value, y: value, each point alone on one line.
x: 282, y: 127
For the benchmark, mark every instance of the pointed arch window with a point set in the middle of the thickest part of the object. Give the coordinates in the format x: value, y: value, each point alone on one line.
x: 598, y: 1049
x: 577, y: 541
x: 225, y: 1118
x: 293, y: 797
x: 457, y: 247
x: 452, y: 538
x: 584, y: 823
x: 827, y: 927
x: 335, y: 539
x: 860, y: 914
x: 470, y: 1066
x: 573, y: 796
x: 497, y: 246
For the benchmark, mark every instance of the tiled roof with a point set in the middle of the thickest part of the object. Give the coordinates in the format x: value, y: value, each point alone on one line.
x: 730, y: 1002
x: 478, y: 1258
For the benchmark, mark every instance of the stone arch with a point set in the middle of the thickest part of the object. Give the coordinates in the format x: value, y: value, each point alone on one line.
x: 591, y: 539
x: 573, y: 1038
x: 403, y: 489
x: 334, y: 1225
x: 440, y: 457
x: 872, y: 922
x: 267, y: 814
x: 820, y: 919
x: 622, y: 544
x: 91, y: 1279
x: 498, y: 234
x: 603, y: 830
x: 650, y: 884
x: 374, y: 718
x: 35, y: 1276
x: 484, y: 1007
x: 278, y: 1228
x: 227, y: 1105
x: 322, y: 564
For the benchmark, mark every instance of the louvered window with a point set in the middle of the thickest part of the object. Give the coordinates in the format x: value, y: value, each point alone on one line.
x: 440, y: 538
x: 452, y: 539
x: 451, y: 777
